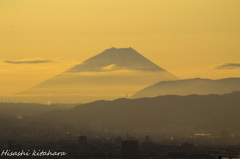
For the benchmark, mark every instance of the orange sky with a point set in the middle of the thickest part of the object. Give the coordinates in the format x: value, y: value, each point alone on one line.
x: 186, y: 37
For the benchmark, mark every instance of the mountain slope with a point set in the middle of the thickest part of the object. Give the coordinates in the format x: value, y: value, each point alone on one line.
x: 190, y: 86
x: 167, y: 113
x: 123, y: 58
x: 108, y: 75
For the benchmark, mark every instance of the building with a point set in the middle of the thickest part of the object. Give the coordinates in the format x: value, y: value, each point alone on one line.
x: 130, y: 149
x: 82, y: 140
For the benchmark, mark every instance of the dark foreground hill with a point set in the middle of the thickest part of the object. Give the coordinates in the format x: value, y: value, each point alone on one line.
x: 167, y: 113
x: 190, y: 86
x: 30, y: 108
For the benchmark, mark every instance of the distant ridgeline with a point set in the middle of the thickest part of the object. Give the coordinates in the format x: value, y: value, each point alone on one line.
x: 190, y: 86
x: 108, y: 75
x: 171, y: 113
x: 181, y: 113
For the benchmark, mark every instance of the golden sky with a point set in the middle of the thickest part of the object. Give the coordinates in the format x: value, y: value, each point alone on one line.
x: 189, y: 38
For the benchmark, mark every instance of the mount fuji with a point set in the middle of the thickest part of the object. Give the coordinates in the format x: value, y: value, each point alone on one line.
x: 109, y: 75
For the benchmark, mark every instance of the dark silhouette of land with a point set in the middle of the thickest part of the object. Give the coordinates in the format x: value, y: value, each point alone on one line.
x: 9, y: 108
x: 178, y: 113
x: 180, y: 127
x: 190, y: 86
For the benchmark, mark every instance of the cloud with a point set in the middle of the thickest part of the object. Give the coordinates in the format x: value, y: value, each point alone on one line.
x: 228, y: 66
x: 111, y: 67
x: 116, y: 73
x: 105, y: 73
x: 27, y: 61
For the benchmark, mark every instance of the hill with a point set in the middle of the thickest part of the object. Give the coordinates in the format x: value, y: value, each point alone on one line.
x: 165, y: 113
x: 190, y: 86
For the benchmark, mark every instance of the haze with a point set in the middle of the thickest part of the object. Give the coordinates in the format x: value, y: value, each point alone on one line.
x: 129, y: 79
x: 188, y: 38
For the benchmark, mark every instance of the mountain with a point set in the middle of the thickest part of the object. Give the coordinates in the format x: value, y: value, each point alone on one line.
x: 190, y: 86
x: 108, y: 75
x: 116, y: 59
x: 165, y: 113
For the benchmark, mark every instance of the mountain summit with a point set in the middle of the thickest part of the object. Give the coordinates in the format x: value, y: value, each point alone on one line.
x: 117, y: 59
x: 108, y: 75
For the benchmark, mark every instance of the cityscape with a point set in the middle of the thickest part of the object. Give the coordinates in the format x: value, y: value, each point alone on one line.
x: 132, y: 145
x: 123, y: 79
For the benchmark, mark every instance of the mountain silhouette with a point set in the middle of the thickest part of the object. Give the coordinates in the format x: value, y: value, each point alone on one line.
x: 116, y: 59
x: 108, y: 75
x: 190, y: 86
x: 168, y: 113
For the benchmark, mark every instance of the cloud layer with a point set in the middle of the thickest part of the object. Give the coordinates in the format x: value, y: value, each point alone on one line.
x: 27, y: 61
x: 228, y: 66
